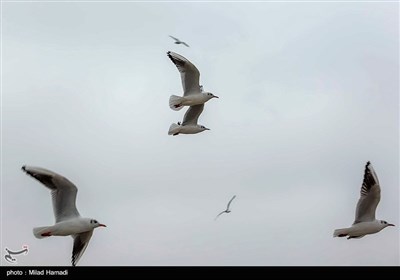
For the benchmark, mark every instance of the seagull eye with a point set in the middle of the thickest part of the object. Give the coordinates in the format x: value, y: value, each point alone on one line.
x: 95, y: 221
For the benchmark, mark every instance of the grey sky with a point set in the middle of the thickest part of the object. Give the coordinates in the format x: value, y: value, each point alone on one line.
x: 309, y: 92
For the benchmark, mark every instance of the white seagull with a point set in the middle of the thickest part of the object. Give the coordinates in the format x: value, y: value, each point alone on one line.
x: 193, y: 94
x: 68, y: 220
x: 365, y: 222
x: 177, y: 41
x: 189, y: 124
x: 227, y: 208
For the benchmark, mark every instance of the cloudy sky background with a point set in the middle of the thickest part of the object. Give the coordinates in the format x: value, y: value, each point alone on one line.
x: 309, y: 92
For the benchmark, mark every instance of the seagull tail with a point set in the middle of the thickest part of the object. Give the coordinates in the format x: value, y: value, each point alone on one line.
x: 42, y: 232
x: 173, y: 129
x: 175, y: 102
x: 341, y: 232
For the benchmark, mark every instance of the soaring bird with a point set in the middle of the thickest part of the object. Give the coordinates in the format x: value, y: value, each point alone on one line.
x: 365, y: 222
x: 177, y: 41
x: 67, y: 218
x: 193, y: 94
x: 189, y: 124
x: 227, y: 208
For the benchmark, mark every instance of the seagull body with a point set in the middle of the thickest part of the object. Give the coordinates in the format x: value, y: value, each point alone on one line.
x: 227, y: 208
x: 189, y: 124
x: 193, y: 94
x: 68, y: 219
x: 177, y: 41
x: 365, y: 222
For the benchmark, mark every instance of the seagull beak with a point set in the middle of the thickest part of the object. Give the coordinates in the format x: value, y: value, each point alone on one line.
x: 215, y: 96
x: 102, y: 225
x: 391, y: 225
x: 207, y: 128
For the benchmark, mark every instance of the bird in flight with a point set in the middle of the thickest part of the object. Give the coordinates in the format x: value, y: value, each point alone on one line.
x: 227, y: 208
x: 193, y: 93
x: 365, y: 222
x: 177, y: 41
x: 67, y: 218
x: 189, y: 124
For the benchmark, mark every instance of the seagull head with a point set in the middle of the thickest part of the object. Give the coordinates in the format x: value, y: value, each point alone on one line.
x: 210, y: 95
x: 94, y: 223
x: 386, y: 224
x: 202, y: 127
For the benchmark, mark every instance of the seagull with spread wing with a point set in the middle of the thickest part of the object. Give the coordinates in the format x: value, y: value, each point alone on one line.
x: 68, y: 220
x: 189, y: 124
x: 193, y: 94
x: 365, y: 222
x: 178, y: 42
x: 227, y: 208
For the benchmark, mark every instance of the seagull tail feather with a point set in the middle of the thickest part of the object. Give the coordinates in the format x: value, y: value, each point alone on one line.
x: 341, y: 232
x: 175, y: 101
x: 41, y: 232
x: 173, y: 129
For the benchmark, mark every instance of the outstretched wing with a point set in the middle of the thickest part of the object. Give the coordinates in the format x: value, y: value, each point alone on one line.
x: 229, y: 203
x: 189, y: 74
x: 219, y: 215
x: 63, y: 192
x: 185, y: 44
x: 192, y: 114
x: 81, y: 241
x: 176, y: 39
x: 370, y: 196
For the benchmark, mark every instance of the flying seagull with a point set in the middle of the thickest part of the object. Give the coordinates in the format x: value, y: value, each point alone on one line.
x: 177, y: 41
x: 227, y: 208
x: 189, y: 124
x: 193, y: 94
x: 365, y: 222
x: 68, y: 220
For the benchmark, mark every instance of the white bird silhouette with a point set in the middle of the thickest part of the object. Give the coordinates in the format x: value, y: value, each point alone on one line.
x: 365, y: 222
x: 193, y: 94
x: 189, y: 124
x: 68, y: 220
x: 227, y: 208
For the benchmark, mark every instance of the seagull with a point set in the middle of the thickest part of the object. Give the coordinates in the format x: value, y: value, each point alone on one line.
x: 365, y: 222
x: 193, y: 94
x: 189, y: 124
x: 227, y: 208
x: 68, y: 220
x: 177, y: 41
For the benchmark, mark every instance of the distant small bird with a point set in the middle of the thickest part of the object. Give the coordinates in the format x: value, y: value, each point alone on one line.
x: 177, y: 41
x: 365, y: 222
x: 189, y: 124
x: 227, y: 208
x: 68, y: 220
x: 193, y: 94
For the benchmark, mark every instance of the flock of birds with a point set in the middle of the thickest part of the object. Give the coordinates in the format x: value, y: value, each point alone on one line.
x: 68, y: 221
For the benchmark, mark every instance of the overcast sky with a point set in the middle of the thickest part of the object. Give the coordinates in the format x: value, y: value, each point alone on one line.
x: 309, y: 92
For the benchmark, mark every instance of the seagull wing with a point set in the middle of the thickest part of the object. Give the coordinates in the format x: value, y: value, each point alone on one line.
x: 192, y: 114
x: 229, y: 203
x: 63, y: 192
x: 176, y: 39
x: 81, y: 241
x: 219, y: 215
x: 370, y: 196
x: 185, y: 44
x: 189, y: 73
